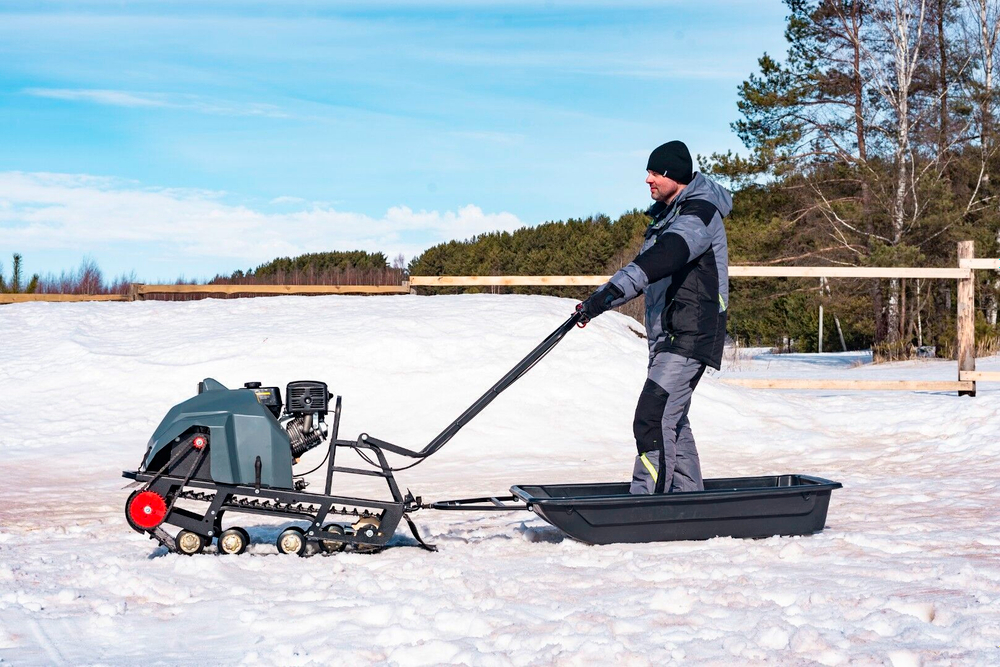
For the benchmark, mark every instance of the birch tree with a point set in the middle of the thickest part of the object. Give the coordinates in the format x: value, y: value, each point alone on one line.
x: 901, y: 24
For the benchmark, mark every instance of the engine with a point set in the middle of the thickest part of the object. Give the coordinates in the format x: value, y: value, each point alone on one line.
x: 303, y: 434
x: 308, y: 404
x: 305, y: 412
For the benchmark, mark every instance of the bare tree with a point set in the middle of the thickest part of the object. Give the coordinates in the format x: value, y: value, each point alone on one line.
x: 901, y: 23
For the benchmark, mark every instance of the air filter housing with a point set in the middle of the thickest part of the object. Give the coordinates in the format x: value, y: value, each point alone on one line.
x: 307, y: 397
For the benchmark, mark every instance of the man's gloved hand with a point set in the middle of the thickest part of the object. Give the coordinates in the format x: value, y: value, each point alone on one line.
x: 599, y: 301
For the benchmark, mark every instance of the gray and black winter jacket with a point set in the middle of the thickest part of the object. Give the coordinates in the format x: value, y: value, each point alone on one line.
x: 683, y: 269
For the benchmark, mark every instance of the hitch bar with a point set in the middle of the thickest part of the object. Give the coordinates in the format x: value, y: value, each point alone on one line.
x: 486, y: 504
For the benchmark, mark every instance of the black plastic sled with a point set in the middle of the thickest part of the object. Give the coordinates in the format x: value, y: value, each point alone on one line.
x: 751, y: 507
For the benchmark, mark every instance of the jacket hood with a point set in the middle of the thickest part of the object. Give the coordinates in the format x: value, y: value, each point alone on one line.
x: 700, y: 187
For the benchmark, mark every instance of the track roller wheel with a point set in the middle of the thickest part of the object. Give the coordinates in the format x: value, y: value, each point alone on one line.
x: 333, y: 546
x: 246, y: 535
x: 189, y: 543
x: 233, y: 541
x: 292, y: 541
x: 367, y: 527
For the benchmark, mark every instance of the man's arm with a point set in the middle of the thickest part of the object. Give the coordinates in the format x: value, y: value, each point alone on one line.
x: 687, y: 240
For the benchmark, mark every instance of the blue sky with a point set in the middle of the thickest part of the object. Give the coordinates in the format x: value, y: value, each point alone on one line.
x: 190, y: 138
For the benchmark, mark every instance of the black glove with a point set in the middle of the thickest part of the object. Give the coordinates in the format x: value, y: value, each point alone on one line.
x: 599, y: 301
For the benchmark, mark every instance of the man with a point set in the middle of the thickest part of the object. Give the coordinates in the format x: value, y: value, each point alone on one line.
x: 683, y: 271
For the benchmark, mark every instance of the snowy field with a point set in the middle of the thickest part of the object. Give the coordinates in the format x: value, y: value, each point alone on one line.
x: 906, y: 573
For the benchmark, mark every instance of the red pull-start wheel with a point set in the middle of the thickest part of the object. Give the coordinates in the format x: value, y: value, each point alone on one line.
x: 146, y: 510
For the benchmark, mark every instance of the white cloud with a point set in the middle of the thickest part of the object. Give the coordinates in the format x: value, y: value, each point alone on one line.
x: 125, y: 98
x: 82, y: 213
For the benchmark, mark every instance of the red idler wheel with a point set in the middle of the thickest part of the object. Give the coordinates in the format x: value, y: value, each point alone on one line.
x: 199, y: 442
x: 146, y: 510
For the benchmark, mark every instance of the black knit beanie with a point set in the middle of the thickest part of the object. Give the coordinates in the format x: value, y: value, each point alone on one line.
x: 673, y: 160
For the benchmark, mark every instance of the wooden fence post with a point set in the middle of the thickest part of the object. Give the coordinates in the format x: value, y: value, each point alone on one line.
x: 133, y: 291
x: 822, y: 281
x: 966, y: 316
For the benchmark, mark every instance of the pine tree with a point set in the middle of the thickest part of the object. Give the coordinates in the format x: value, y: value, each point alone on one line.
x: 15, y: 276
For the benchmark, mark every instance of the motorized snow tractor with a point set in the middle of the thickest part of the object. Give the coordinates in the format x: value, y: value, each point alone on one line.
x: 226, y: 452
x: 233, y: 451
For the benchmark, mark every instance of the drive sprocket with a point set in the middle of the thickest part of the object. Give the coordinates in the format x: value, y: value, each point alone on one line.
x: 145, y: 510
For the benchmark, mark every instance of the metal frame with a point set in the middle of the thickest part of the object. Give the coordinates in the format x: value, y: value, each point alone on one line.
x: 280, y: 503
x: 485, y: 504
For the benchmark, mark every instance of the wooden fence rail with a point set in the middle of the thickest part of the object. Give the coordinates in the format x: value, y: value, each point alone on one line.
x: 852, y: 385
x: 507, y: 281
x: 24, y: 298
x: 734, y: 272
x: 142, y: 290
x: 139, y: 291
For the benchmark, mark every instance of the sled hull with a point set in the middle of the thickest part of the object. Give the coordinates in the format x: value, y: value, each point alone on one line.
x: 746, y: 507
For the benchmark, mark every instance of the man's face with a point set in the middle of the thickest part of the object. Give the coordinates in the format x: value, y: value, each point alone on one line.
x: 661, y: 188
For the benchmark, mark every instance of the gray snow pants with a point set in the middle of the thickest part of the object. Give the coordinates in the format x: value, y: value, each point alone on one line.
x: 668, y: 459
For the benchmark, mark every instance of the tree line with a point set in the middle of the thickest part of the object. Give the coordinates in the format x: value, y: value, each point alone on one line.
x: 351, y: 267
x: 578, y: 246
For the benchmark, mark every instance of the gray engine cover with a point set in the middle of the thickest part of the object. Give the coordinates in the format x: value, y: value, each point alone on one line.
x: 240, y: 430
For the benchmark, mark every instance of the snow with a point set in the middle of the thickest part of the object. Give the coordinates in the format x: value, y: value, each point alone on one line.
x: 907, y: 571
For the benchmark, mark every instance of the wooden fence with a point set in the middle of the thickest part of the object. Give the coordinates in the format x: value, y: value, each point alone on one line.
x: 734, y: 272
x: 139, y: 291
x: 965, y: 384
x: 24, y: 298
